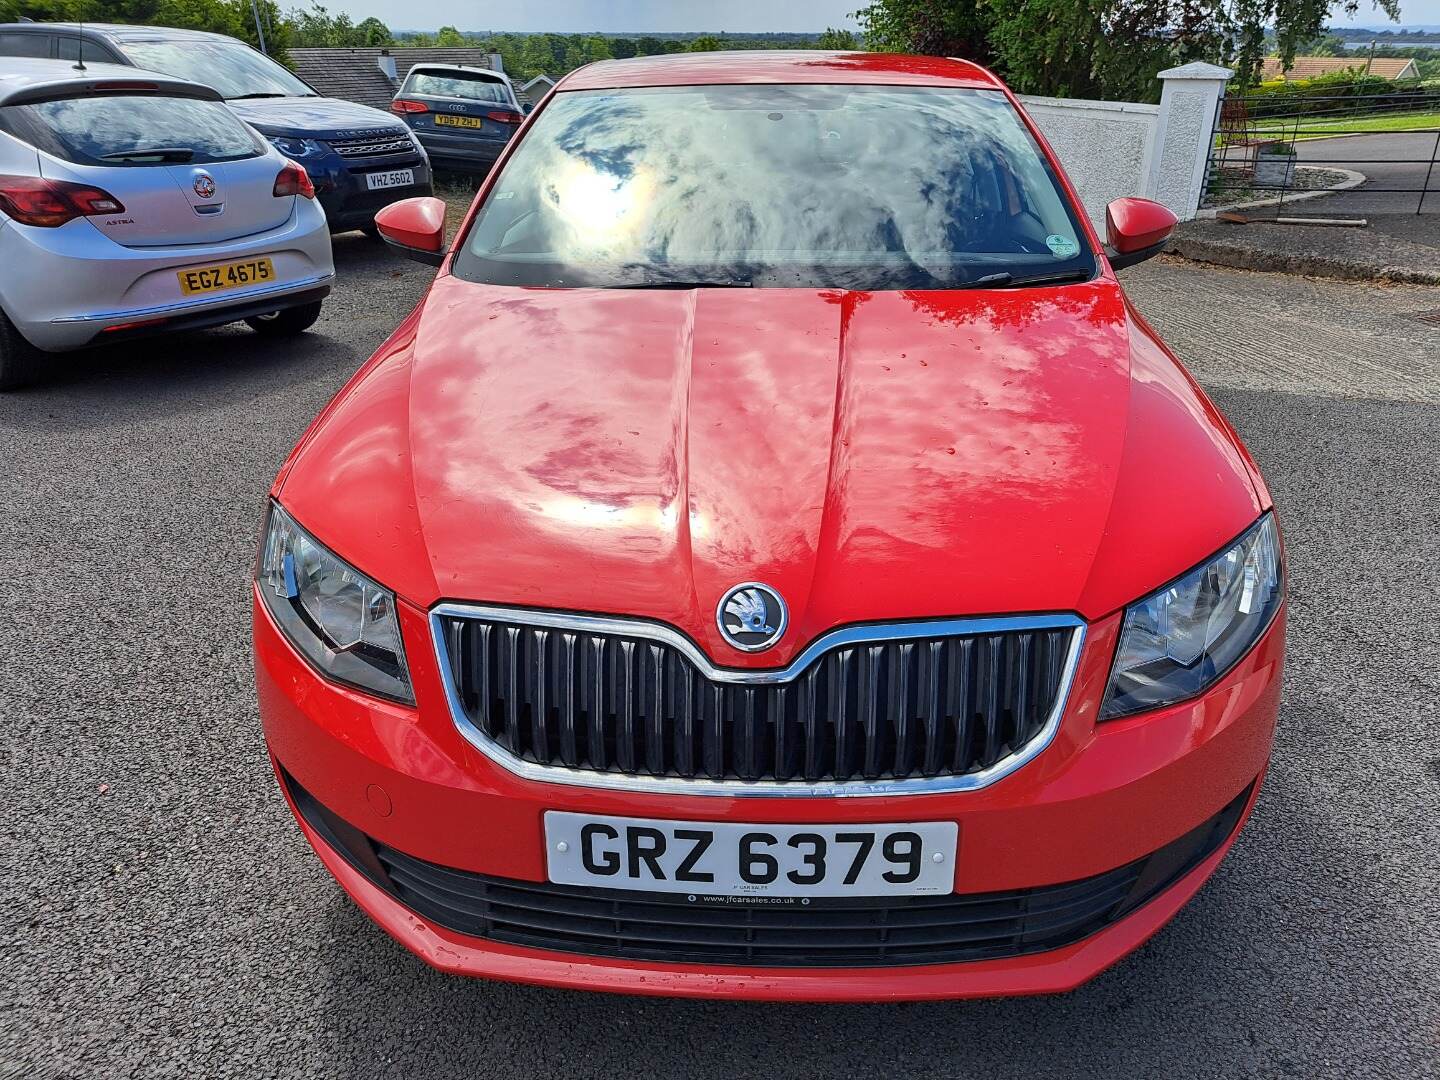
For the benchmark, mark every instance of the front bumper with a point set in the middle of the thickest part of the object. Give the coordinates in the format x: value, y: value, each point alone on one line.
x: 1099, y: 798
x: 342, y: 188
x: 81, y: 288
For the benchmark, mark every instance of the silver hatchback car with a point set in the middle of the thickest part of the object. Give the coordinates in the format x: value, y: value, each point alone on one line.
x: 134, y: 203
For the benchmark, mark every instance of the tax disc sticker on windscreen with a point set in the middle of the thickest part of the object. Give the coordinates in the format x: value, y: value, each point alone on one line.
x: 1062, y: 247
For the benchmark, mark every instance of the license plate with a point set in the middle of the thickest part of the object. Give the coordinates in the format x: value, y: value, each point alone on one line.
x: 707, y: 858
x: 233, y: 275
x: 394, y: 178
x: 459, y: 121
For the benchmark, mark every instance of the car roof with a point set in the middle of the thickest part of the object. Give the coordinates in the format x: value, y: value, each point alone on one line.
x: 25, y: 79
x: 466, y: 69
x: 118, y: 31
x: 780, y: 66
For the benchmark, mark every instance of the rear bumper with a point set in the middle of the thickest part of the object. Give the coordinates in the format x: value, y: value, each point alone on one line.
x: 459, y: 150
x: 177, y: 319
x: 81, y: 288
x: 1100, y: 797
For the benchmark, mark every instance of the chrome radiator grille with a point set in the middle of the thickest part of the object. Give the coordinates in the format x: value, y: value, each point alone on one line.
x: 373, y: 147
x: 903, y: 703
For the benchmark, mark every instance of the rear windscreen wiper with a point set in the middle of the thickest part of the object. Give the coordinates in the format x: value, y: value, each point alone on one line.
x: 247, y: 97
x: 667, y: 283
x: 1006, y: 280
x: 160, y: 153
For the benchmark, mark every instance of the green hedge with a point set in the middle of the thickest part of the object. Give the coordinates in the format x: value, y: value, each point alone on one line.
x: 1330, y: 95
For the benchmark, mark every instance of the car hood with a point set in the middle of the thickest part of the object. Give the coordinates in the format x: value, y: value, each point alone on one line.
x: 875, y: 456
x: 315, y: 118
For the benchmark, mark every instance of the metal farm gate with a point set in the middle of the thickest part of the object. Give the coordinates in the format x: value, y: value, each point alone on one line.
x: 1327, y: 154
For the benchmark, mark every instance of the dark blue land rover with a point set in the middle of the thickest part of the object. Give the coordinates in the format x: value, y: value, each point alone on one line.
x: 359, y: 158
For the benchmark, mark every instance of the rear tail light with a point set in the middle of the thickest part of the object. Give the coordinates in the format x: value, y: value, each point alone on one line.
x: 33, y: 200
x: 402, y: 105
x: 294, y: 180
x: 505, y: 117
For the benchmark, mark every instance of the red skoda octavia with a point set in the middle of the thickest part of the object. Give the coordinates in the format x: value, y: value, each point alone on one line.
x: 775, y: 560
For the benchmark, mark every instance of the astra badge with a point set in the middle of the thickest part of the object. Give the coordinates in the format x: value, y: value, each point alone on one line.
x: 204, y: 185
x: 751, y: 616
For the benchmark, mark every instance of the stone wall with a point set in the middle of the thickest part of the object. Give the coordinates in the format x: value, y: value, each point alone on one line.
x: 1105, y: 146
x: 1111, y: 149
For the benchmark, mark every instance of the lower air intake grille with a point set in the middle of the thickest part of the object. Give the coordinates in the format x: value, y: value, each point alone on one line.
x: 870, y: 932
x: 941, y: 703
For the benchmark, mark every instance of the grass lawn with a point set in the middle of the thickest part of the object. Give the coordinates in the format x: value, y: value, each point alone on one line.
x: 1325, y: 128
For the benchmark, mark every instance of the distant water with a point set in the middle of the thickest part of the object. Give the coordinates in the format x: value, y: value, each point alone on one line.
x: 1364, y: 46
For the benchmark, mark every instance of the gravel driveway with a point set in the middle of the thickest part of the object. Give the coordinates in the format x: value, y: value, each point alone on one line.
x: 164, y: 918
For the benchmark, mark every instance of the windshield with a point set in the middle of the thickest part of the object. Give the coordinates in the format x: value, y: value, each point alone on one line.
x: 857, y: 187
x: 234, y: 69
x: 455, y: 84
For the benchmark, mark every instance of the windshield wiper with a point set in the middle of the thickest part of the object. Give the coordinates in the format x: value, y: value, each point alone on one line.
x: 1006, y: 280
x: 246, y: 97
x: 161, y: 153
x: 668, y: 283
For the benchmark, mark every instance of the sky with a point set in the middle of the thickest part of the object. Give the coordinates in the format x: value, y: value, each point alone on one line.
x: 608, y: 16
x: 638, y: 16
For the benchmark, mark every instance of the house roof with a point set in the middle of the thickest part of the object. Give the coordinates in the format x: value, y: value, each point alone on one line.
x: 355, y: 75
x: 534, y: 90
x: 1306, y: 67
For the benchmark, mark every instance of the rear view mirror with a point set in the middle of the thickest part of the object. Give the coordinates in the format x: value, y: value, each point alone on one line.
x: 415, y: 228
x: 1136, y: 229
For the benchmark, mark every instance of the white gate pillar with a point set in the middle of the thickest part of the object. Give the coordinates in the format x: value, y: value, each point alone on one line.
x: 1189, y: 104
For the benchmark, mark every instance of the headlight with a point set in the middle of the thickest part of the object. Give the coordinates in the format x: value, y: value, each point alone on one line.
x: 295, y: 148
x: 343, y: 622
x: 1180, y: 640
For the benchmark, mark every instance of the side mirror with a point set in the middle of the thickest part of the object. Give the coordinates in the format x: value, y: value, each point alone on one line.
x: 415, y: 228
x: 1136, y: 229
x: 528, y: 108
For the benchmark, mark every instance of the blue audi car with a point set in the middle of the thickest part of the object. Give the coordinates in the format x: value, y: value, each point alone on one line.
x: 359, y: 159
x: 463, y: 116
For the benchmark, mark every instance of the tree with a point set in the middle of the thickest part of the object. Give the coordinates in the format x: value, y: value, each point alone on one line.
x: 232, y: 17
x: 838, y: 40
x: 623, y: 48
x: 374, y: 32
x: 929, y: 27
x: 536, y: 57
x: 1066, y: 48
x: 649, y: 46
x: 705, y: 43
x: 1099, y: 48
x: 449, y: 37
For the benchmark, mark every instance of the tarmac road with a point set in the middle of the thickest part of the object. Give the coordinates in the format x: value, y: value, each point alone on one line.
x: 1399, y: 168
x: 162, y: 916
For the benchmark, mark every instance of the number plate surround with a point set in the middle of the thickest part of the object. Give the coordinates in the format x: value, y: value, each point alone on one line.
x: 609, y: 841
